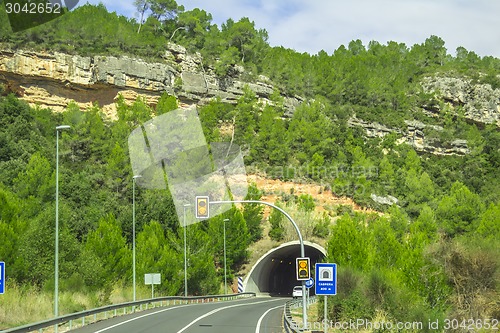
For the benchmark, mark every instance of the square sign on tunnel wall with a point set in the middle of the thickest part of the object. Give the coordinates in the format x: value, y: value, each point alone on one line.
x: 326, y: 279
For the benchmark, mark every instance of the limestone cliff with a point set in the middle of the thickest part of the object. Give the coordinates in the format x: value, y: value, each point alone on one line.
x: 480, y: 102
x: 414, y: 135
x: 55, y: 79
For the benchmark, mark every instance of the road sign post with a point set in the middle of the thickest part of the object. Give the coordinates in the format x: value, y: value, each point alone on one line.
x: 152, y: 279
x: 326, y: 284
x: 2, y: 277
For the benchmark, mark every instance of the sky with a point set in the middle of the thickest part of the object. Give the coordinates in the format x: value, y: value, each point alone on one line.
x: 314, y: 25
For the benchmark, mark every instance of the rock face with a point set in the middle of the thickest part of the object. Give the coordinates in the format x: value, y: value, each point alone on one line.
x: 55, y: 79
x: 388, y: 200
x: 480, y: 102
x: 414, y: 136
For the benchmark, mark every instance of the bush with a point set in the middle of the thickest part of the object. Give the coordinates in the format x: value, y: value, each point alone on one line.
x: 472, y: 268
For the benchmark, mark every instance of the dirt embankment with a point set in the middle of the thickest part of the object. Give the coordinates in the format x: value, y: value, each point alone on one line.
x: 273, y: 189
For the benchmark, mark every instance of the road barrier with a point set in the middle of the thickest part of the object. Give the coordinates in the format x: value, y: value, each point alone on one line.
x: 134, y: 306
x: 288, y: 323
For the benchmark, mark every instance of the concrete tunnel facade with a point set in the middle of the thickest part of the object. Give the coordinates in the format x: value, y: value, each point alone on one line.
x: 274, y: 273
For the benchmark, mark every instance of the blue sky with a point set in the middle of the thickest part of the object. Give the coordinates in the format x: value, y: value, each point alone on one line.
x: 315, y: 25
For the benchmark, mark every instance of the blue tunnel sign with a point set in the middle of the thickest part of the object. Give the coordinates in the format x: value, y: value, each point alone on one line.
x: 326, y: 279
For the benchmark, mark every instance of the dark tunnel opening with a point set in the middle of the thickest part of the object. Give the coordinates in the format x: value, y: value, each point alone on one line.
x: 275, y: 272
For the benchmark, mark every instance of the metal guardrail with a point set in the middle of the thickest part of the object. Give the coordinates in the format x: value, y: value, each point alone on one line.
x: 133, y: 305
x: 288, y: 323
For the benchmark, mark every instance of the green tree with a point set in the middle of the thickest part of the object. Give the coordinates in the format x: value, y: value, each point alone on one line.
x: 488, y: 225
x: 270, y: 143
x: 109, y: 246
x: 36, y: 185
x: 245, y: 38
x: 246, y: 117
x: 306, y: 202
x: 277, y: 231
x: 155, y: 254
x: 202, y: 273
x: 457, y: 211
x: 386, y: 176
x: 419, y: 189
x: 11, y: 228
x: 387, y: 251
x: 195, y: 26
x: 166, y: 103
x: 253, y: 213
x: 348, y: 245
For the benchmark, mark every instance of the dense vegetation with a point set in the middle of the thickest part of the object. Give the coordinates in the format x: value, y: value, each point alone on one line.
x: 95, y: 207
x: 434, y: 255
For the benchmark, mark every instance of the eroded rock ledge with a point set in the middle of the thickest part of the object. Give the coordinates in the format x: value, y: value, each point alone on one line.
x: 55, y: 79
x: 414, y: 136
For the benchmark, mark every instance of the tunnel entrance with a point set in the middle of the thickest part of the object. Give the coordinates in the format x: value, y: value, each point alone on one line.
x: 274, y: 273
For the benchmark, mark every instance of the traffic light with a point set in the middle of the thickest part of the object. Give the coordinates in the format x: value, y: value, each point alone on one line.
x: 202, y: 207
x: 303, y: 269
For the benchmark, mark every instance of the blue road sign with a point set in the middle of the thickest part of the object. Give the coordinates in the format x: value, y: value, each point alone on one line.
x: 2, y: 277
x: 310, y: 283
x: 326, y: 279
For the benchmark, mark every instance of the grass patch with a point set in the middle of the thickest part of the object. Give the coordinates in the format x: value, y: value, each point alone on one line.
x: 22, y: 305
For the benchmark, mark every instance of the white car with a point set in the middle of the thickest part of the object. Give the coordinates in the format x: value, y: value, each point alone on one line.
x: 297, y: 292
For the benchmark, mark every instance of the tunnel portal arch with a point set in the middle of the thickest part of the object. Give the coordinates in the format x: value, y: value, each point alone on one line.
x: 274, y: 272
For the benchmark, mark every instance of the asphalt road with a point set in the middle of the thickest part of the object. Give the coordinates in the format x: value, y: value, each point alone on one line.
x: 254, y: 315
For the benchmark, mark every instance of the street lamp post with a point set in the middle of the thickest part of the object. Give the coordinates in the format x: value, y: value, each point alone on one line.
x: 225, y: 275
x: 56, y: 256
x: 185, y: 252
x: 134, y: 178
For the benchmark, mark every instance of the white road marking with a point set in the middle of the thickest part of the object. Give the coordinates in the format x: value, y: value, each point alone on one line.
x: 257, y: 329
x: 217, y: 310
x: 143, y: 316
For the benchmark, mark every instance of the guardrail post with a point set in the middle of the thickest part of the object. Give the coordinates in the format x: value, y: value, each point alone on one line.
x: 95, y: 317
x: 70, y: 324
x: 83, y: 321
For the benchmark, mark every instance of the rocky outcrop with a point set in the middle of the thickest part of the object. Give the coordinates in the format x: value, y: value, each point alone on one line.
x: 414, y: 135
x: 480, y: 102
x: 388, y: 200
x: 372, y: 129
x: 55, y: 79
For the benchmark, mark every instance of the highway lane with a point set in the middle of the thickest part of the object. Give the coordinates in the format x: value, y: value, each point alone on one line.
x: 240, y: 316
